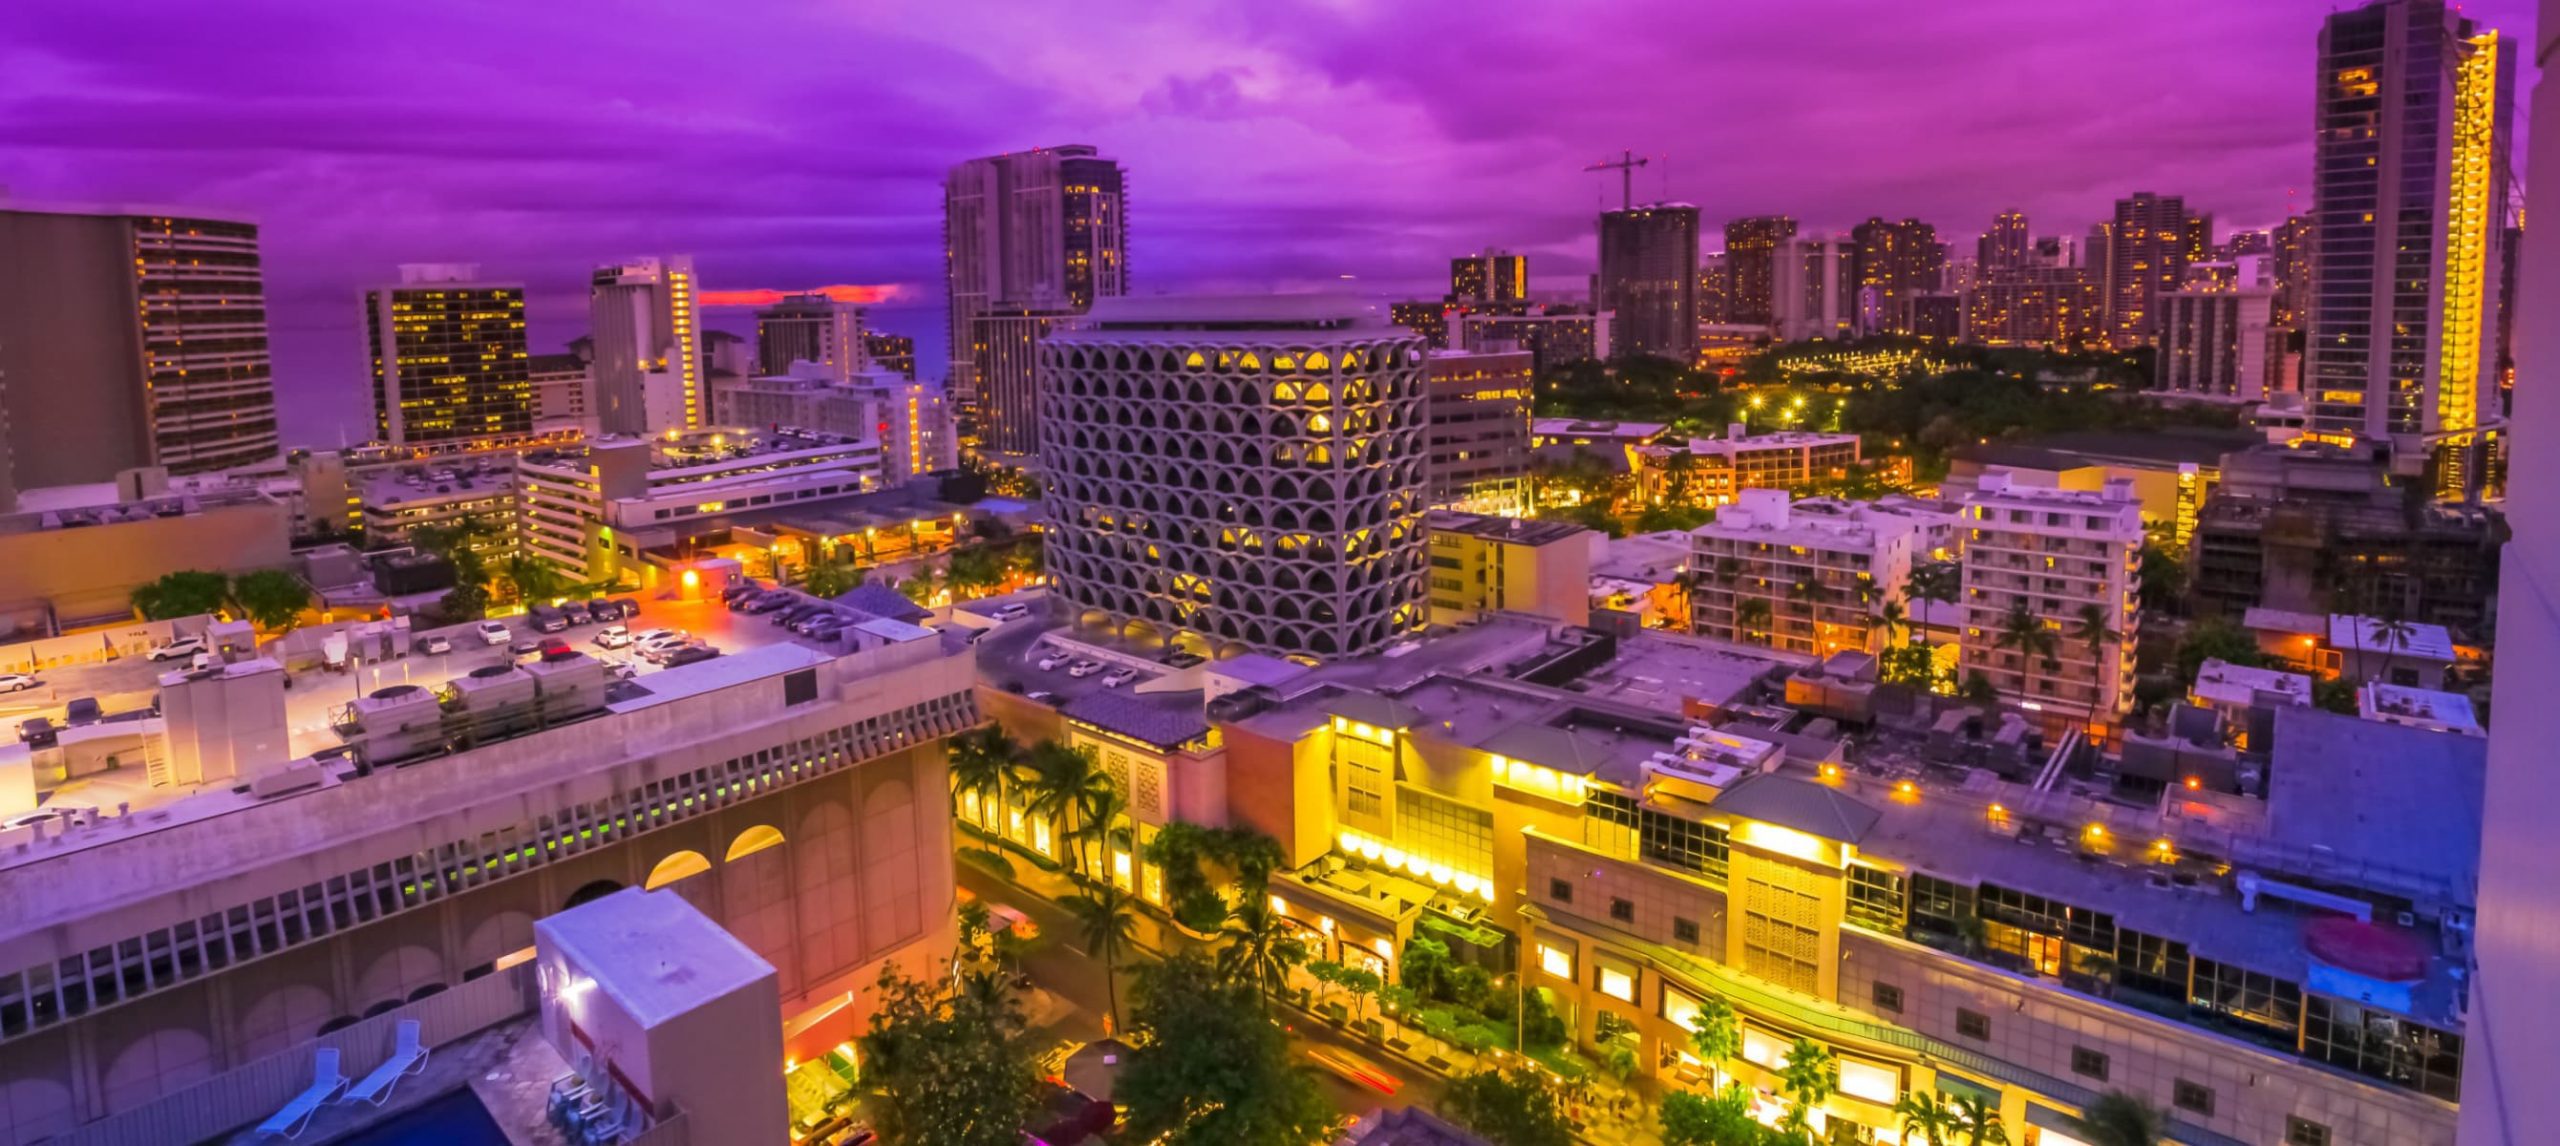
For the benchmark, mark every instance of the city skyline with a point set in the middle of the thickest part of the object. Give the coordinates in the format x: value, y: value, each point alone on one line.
x: 1268, y: 149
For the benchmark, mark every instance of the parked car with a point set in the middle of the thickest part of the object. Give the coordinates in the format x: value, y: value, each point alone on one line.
x: 558, y: 646
x: 1118, y: 677
x: 1083, y: 669
x: 180, y: 648
x: 1013, y: 612
x: 17, y: 682
x: 204, y: 661
x: 613, y: 637
x: 525, y: 649
x: 493, y: 632
x: 740, y: 602
x: 661, y: 653
x: 769, y: 602
x: 1051, y: 661
x: 731, y: 594
x: 37, y: 731
x: 547, y: 619
x: 577, y: 612
x: 83, y: 710
x: 647, y: 637
x: 625, y: 608
x: 435, y: 644
x: 621, y: 670
x: 791, y: 612
x: 1040, y: 696
x: 691, y: 654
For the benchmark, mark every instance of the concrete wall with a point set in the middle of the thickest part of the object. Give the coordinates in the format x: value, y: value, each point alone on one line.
x: 70, y: 350
x: 92, y: 571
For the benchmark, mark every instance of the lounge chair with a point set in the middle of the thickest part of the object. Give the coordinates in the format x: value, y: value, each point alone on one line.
x: 408, y: 1057
x: 295, y: 1118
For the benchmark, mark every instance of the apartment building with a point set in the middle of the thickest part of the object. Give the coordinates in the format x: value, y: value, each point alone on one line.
x: 2053, y: 556
x: 599, y: 509
x: 1479, y: 429
x: 1805, y: 576
x: 1716, y: 470
x: 262, y: 865
x: 1482, y: 564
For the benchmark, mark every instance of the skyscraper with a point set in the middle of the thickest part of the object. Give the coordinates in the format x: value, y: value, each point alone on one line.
x: 2290, y: 245
x: 449, y: 359
x: 1750, y: 251
x: 811, y: 328
x: 649, y: 371
x: 2148, y: 246
x: 1896, y: 260
x: 1238, y: 472
x: 1715, y: 286
x: 2409, y: 198
x: 890, y: 351
x: 1032, y: 235
x: 1816, y: 290
x: 2006, y: 244
x: 130, y: 340
x: 1494, y: 276
x: 1649, y: 276
x: 2512, y: 1048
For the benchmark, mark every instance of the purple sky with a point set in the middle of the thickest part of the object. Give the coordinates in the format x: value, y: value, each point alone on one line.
x: 1270, y: 143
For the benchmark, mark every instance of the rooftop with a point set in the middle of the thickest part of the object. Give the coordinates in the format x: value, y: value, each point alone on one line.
x: 1195, y: 310
x: 2406, y: 799
x: 652, y: 953
x: 1578, y: 428
x: 1409, y: 1126
x: 2226, y: 683
x: 1513, y: 530
x: 2372, y: 635
x: 2421, y: 707
x: 2148, y: 448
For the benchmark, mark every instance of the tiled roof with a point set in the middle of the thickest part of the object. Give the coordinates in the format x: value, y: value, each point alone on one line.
x: 1163, y: 719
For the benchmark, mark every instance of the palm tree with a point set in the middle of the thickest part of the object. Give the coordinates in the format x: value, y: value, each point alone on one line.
x: 532, y: 578
x: 981, y: 760
x: 1894, y: 619
x: 1061, y: 785
x: 2393, y: 632
x: 2090, y: 629
x: 2023, y: 631
x: 1098, y: 814
x: 1925, y: 1118
x: 1810, y: 1078
x: 1978, y: 1120
x: 1750, y: 613
x: 1939, y: 581
x: 1109, y: 927
x: 2120, y: 1119
x: 1260, y: 947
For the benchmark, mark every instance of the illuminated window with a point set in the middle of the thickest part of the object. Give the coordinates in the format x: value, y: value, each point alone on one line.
x: 1877, y: 1084
x: 1555, y: 961
x: 1617, y: 981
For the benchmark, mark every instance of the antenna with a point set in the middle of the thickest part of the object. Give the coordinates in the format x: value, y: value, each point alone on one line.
x: 1626, y: 166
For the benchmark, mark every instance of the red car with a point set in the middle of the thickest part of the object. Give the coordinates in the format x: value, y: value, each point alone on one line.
x: 557, y: 647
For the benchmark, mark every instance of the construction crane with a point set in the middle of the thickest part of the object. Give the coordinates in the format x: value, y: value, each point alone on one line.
x: 1626, y: 169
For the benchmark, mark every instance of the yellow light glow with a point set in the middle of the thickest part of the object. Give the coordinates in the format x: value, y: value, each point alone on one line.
x: 1785, y: 841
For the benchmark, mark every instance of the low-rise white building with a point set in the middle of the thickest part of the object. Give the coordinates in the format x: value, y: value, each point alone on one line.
x: 2058, y: 558
x: 1805, y: 576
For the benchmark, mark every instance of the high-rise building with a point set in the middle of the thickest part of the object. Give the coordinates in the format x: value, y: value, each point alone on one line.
x: 2290, y: 246
x: 1649, y: 277
x: 1240, y: 472
x: 2006, y: 244
x: 1715, y: 289
x: 2148, y: 247
x: 1479, y: 434
x: 449, y: 358
x: 1553, y: 334
x: 1494, y: 276
x: 2218, y: 344
x: 650, y: 375
x: 1815, y: 289
x: 890, y: 351
x: 1750, y: 251
x: 2513, y: 1043
x: 2408, y: 201
x: 128, y: 340
x: 1035, y: 235
x: 563, y: 392
x: 1806, y: 576
x: 2049, y: 555
x: 811, y: 328
x: 1896, y: 261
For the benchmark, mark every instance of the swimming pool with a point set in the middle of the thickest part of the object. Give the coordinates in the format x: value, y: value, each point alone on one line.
x: 452, y: 1119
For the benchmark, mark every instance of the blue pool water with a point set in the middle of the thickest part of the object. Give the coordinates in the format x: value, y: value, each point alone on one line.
x: 456, y: 1119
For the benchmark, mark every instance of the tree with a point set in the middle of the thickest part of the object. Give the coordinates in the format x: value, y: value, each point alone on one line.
x: 2337, y: 696
x: 2023, y: 631
x: 2163, y: 584
x: 1750, y: 615
x: 1062, y: 783
x: 458, y: 544
x: 948, y: 1062
x: 2393, y: 632
x: 974, y: 572
x: 186, y: 593
x: 1209, y: 1068
x: 1109, y: 927
x: 271, y: 598
x: 1721, y: 1119
x: 2121, y: 1119
x: 981, y: 760
x: 1810, y: 1078
x: 2090, y: 628
x: 1661, y: 518
x: 1979, y: 1121
x: 1507, y: 1109
x: 1423, y: 967
x: 1715, y: 1033
x: 2212, y: 638
x: 832, y: 574
x: 531, y: 578
x: 1259, y: 947
x: 920, y: 587
x: 1912, y: 666
x: 1895, y: 621
x: 1925, y: 1118
x: 1939, y: 581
